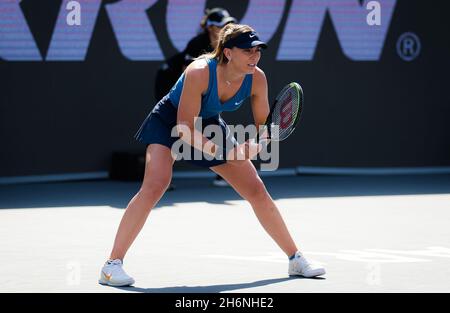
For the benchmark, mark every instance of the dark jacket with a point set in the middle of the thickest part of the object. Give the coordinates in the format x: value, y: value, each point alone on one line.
x: 171, y: 70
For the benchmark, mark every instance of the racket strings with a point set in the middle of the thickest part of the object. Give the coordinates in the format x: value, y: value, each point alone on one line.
x: 285, y: 114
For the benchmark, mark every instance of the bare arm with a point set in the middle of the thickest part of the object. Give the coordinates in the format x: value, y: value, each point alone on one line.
x: 260, y: 109
x: 195, y: 83
x: 260, y: 99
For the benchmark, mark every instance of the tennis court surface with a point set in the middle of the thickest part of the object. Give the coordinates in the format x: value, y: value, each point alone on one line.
x: 372, y: 233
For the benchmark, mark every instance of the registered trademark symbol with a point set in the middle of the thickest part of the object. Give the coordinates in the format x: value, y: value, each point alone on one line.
x: 408, y: 46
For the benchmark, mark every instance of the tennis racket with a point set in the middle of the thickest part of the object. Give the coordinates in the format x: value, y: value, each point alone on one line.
x: 284, y: 114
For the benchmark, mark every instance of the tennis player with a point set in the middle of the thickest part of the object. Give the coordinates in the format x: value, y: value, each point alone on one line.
x: 205, y: 42
x: 213, y: 83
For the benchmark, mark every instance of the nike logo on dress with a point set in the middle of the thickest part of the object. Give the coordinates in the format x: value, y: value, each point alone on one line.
x: 238, y: 103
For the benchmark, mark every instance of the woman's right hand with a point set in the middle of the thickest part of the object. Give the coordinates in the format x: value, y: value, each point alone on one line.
x: 244, y: 151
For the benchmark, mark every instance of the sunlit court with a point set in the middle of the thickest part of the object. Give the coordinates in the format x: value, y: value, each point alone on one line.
x: 199, y: 147
x: 373, y: 234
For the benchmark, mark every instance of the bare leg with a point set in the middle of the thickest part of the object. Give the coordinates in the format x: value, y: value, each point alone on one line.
x: 246, y: 181
x: 158, y: 173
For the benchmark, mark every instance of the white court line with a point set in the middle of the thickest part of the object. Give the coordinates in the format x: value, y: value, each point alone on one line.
x: 365, y: 256
x: 420, y: 170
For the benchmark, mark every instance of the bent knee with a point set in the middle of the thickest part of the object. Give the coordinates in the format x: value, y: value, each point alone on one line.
x: 155, y: 187
x: 257, y: 191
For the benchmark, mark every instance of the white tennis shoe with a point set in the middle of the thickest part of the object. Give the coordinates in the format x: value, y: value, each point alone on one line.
x: 112, y: 274
x: 299, y: 266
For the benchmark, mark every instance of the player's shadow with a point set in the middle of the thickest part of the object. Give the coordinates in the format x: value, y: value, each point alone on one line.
x: 213, y: 288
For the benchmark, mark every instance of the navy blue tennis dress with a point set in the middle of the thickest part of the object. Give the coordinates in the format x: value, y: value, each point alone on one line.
x: 157, y: 126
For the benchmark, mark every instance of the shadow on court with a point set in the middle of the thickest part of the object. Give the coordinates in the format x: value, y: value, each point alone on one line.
x: 117, y: 194
x: 212, y: 288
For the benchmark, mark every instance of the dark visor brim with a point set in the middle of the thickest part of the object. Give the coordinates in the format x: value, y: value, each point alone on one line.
x: 251, y: 44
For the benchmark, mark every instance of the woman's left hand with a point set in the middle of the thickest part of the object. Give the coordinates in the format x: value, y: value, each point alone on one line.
x: 245, y: 151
